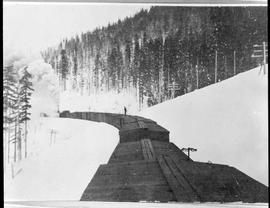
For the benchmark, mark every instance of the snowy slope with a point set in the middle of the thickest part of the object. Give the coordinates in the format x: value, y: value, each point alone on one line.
x: 63, y: 169
x: 226, y: 122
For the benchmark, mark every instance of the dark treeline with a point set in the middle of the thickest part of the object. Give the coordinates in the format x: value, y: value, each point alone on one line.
x: 161, y: 53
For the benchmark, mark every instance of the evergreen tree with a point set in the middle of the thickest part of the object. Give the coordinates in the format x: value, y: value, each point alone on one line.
x: 64, y: 67
x: 25, y: 94
x: 153, y: 49
x: 9, y: 101
x: 16, y: 140
x: 128, y: 81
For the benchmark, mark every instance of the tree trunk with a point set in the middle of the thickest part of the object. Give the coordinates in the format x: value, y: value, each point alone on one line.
x: 234, y: 63
x: 15, y: 141
x: 197, y: 74
x: 5, y: 141
x: 215, y: 66
x: 25, y: 139
x: 226, y: 70
x: 5, y: 147
x: 25, y: 131
x: 8, y: 141
x: 19, y: 145
x: 65, y: 84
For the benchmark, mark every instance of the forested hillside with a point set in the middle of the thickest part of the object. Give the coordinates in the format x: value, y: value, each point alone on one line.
x: 161, y: 53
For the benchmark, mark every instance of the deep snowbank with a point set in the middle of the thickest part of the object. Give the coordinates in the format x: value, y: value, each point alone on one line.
x: 226, y: 121
x: 61, y: 167
x: 82, y: 204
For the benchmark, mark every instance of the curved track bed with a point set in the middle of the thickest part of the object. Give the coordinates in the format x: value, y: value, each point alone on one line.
x: 145, y: 166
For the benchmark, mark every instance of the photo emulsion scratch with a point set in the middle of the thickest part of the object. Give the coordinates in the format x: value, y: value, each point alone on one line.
x: 135, y: 105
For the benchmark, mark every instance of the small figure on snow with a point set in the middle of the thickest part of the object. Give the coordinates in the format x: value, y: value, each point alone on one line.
x: 125, y: 110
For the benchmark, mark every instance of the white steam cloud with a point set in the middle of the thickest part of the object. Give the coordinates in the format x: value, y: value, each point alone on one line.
x: 45, y: 97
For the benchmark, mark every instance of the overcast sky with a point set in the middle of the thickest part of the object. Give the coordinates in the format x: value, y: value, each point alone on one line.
x: 30, y: 27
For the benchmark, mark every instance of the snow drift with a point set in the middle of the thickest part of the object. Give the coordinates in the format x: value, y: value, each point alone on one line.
x: 226, y: 122
x: 62, y: 163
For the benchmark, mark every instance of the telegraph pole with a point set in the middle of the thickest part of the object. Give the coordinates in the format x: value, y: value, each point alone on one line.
x: 226, y: 72
x: 234, y: 65
x: 216, y: 65
x: 172, y: 88
x: 264, y: 58
x: 168, y: 81
x: 260, y: 52
x: 188, y: 150
x: 197, y: 73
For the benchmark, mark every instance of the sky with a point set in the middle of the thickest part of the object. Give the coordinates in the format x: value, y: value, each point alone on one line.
x: 32, y: 27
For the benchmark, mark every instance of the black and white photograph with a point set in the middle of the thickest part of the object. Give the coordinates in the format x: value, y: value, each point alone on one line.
x: 139, y: 105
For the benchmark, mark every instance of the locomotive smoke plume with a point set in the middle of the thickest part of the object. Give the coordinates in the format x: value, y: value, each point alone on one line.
x: 45, y: 97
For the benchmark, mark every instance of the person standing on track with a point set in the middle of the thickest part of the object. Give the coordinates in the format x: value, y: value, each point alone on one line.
x: 125, y: 110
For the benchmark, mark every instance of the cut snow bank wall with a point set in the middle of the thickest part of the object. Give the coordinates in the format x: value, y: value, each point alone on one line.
x: 226, y: 122
x: 62, y: 170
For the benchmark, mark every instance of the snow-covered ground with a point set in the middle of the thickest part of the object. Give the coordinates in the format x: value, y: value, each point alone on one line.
x: 227, y: 122
x: 81, y: 204
x: 61, y: 166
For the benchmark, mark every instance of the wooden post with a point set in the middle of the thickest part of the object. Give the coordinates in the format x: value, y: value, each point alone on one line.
x: 188, y: 150
x: 8, y: 141
x: 173, y: 92
x: 54, y: 136
x: 264, y: 58
x: 234, y: 65
x: 25, y: 140
x: 216, y: 66
x: 168, y: 80
x: 5, y: 148
x: 159, y: 86
x: 197, y: 73
x: 186, y: 82
x: 15, y: 146
x: 20, y: 145
x: 225, y: 63
x: 12, y: 170
x: 51, y: 137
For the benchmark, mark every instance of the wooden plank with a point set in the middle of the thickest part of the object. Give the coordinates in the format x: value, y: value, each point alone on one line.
x: 256, y: 56
x: 151, y: 149
x: 144, y: 150
x: 170, y: 178
x: 147, y: 149
x: 176, y: 170
x: 142, y: 125
x: 257, y: 46
x: 257, y: 51
x: 179, y: 185
x: 150, y: 157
